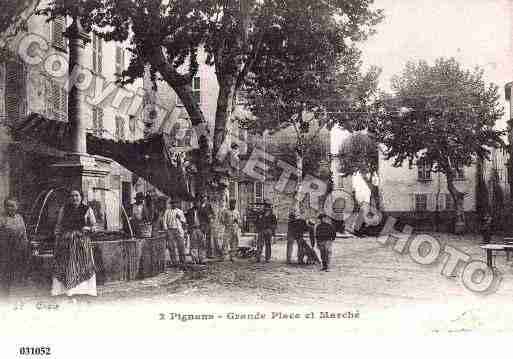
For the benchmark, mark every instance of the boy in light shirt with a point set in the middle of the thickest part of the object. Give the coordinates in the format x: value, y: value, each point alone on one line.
x: 173, y: 222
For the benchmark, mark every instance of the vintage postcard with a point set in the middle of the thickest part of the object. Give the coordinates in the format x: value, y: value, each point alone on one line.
x: 302, y: 169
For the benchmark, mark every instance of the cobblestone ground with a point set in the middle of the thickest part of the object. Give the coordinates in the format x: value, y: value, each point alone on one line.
x: 383, y: 285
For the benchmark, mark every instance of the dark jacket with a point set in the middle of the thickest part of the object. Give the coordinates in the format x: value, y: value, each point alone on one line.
x: 189, y: 216
x: 297, y: 227
x: 325, y: 232
x: 205, y: 213
x: 74, y: 218
x: 266, y: 221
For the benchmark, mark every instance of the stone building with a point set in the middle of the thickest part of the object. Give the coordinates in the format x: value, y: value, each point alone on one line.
x: 35, y: 81
x: 420, y: 197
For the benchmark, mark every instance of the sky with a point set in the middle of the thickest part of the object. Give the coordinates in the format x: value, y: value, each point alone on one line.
x: 474, y: 32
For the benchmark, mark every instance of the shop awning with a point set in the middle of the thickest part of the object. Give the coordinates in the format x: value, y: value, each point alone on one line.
x: 151, y: 158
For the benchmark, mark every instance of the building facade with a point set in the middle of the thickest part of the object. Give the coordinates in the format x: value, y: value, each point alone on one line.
x: 36, y: 82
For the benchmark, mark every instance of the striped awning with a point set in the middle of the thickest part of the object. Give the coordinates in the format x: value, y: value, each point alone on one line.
x: 151, y: 158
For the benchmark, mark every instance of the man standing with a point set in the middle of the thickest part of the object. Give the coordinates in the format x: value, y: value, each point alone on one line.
x: 325, y: 235
x: 266, y: 226
x: 486, y: 228
x: 205, y: 216
x: 141, y: 216
x: 297, y: 226
x: 173, y: 223
x: 197, y: 237
x: 14, y: 247
x: 230, y: 219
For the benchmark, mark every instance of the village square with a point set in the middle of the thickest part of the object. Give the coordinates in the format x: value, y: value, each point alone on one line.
x: 322, y: 160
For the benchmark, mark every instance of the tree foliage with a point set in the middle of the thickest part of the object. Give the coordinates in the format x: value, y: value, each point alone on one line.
x: 237, y: 36
x: 442, y: 115
x: 359, y: 154
x: 311, y: 159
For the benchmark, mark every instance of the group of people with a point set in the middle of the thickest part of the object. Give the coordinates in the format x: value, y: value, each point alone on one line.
x: 198, y: 227
x: 220, y: 238
x: 73, y: 270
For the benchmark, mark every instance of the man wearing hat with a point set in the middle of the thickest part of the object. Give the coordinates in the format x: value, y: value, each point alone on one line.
x: 297, y: 227
x: 140, y: 213
x: 325, y: 235
x: 205, y: 216
x: 266, y: 226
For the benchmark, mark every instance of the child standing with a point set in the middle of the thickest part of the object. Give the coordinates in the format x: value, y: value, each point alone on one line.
x: 325, y: 235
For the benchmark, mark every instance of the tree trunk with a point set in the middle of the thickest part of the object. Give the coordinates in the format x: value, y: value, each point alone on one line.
x: 225, y: 104
x: 374, y: 199
x: 299, y: 173
x: 458, y: 197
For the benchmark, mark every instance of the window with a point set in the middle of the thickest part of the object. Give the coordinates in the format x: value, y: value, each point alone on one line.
x: 15, y: 96
x: 449, y: 203
x: 259, y: 192
x: 132, y: 124
x: 423, y: 171
x: 241, y: 98
x: 58, y: 27
x: 56, y: 101
x: 340, y: 181
x: 98, y: 121
x: 97, y: 54
x: 232, y: 189
x: 196, y: 92
x: 420, y: 202
x: 120, y: 60
x: 120, y: 128
x: 196, y: 89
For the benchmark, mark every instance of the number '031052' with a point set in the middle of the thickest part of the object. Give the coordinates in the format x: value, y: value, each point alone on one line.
x: 35, y: 351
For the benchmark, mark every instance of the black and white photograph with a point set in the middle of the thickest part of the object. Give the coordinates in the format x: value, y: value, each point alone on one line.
x: 295, y: 168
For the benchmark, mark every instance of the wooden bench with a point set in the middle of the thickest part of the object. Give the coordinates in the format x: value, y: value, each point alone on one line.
x: 490, y: 248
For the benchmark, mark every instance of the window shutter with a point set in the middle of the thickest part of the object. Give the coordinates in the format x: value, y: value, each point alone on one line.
x: 100, y: 120
x: 15, y: 91
x: 95, y: 120
x: 120, y: 60
x: 63, y: 105
x: 131, y: 124
x: 94, y: 53
x: 55, y: 100
x: 58, y: 28
x: 100, y: 55
x: 2, y: 89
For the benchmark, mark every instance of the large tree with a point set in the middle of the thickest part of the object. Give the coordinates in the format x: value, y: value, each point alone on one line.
x: 359, y: 155
x: 310, y: 97
x: 442, y: 115
x: 236, y: 35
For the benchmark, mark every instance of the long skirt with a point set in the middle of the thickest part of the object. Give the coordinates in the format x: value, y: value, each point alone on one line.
x: 13, y: 265
x: 73, y: 271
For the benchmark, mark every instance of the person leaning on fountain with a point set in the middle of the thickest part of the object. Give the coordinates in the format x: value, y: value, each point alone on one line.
x: 73, y: 269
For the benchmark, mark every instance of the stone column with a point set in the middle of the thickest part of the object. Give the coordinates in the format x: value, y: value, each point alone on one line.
x: 79, y: 170
x: 77, y: 43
